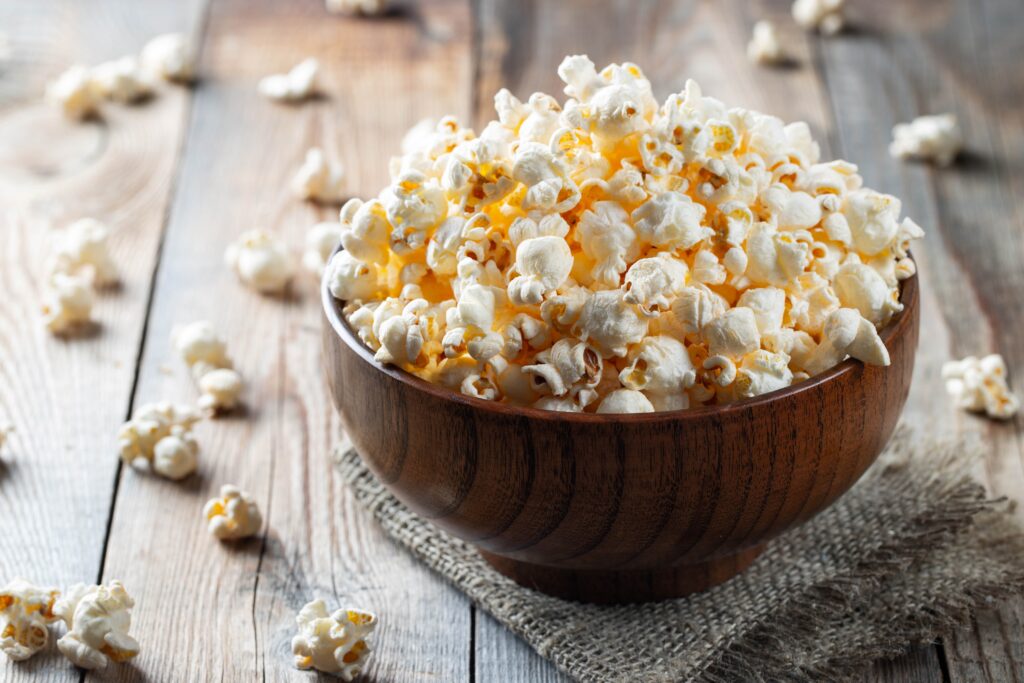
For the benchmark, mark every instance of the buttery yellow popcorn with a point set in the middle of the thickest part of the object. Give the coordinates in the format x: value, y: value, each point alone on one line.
x: 26, y: 611
x: 606, y: 254
x: 333, y: 643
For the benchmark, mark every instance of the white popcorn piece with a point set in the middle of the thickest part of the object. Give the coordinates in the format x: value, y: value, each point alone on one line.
x: 768, y: 305
x: 720, y: 369
x: 367, y: 7
x: 980, y: 385
x: 319, y: 179
x: 233, y: 515
x: 861, y: 287
x: 321, y: 240
x: 610, y: 324
x: 652, y: 284
x: 873, y: 220
x: 625, y: 401
x: 825, y: 16
x: 558, y: 404
x: 295, y: 86
x: 260, y: 261
x: 333, y: 643
x: 67, y: 307
x: 607, y: 237
x: 565, y: 368
x: 200, y: 347
x: 543, y: 264
x: 764, y: 46
x: 220, y: 390
x: 82, y: 250
x: 762, y: 372
x: 26, y: 611
x: 141, y: 440
x: 733, y: 333
x: 122, y: 80
x: 931, y: 138
x: 170, y: 57
x: 413, y: 204
x: 75, y: 92
x: 696, y: 306
x: 847, y: 333
x: 365, y: 230
x: 658, y: 365
x: 671, y: 220
x: 98, y: 619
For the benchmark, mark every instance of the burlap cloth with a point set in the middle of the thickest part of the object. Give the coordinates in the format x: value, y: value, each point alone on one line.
x: 908, y: 553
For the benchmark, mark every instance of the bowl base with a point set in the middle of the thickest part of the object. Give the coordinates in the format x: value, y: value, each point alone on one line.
x: 610, y: 587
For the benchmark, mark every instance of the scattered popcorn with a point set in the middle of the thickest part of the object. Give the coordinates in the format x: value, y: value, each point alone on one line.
x: 981, y: 385
x: 158, y: 435
x: 75, y: 92
x: 200, y: 347
x: 122, y: 80
x: 357, y: 6
x: 260, y: 261
x: 333, y: 643
x: 825, y: 16
x: 234, y: 515
x: 296, y: 85
x: 26, y: 611
x: 68, y: 303
x: 319, y: 179
x: 610, y: 255
x: 321, y: 241
x: 169, y: 57
x: 220, y: 390
x: 82, y: 250
x: 764, y: 46
x: 932, y: 138
x: 98, y: 619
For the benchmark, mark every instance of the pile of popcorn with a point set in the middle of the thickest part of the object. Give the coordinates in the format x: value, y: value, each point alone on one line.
x: 611, y: 255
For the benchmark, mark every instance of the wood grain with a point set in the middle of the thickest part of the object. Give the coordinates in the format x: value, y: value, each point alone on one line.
x: 233, y: 606
x: 67, y: 397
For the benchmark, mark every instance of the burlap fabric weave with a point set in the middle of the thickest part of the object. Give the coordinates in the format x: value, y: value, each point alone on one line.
x: 901, y: 558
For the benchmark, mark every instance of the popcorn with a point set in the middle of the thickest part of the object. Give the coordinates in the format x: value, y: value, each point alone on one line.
x: 68, y: 303
x: 158, y: 435
x: 260, y: 261
x: 625, y: 401
x: 319, y: 179
x: 296, y: 85
x: 825, y: 16
x: 98, y: 619
x: 220, y: 390
x: 122, y: 80
x: 169, y: 57
x: 75, y: 92
x: 932, y: 138
x: 333, y: 643
x: 200, y: 347
x: 981, y: 385
x: 82, y: 249
x: 233, y: 515
x: 26, y: 611
x: 689, y: 254
x: 357, y: 6
x: 764, y: 46
x: 321, y: 241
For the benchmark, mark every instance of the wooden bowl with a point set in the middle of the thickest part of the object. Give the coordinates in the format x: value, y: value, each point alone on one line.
x: 619, y: 508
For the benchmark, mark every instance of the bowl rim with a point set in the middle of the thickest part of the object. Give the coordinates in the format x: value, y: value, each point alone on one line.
x: 332, y: 308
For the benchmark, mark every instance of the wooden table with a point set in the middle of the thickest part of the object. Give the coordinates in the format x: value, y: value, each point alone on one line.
x: 180, y: 176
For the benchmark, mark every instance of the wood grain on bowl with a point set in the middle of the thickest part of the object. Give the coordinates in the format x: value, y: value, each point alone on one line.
x: 620, y: 507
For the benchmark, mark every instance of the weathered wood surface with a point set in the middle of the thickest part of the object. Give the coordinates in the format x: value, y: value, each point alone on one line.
x: 215, y: 161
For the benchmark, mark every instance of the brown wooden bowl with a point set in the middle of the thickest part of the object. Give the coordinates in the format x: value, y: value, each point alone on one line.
x: 619, y: 508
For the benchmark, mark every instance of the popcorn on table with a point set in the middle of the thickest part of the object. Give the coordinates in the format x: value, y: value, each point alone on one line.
x: 206, y: 355
x: 26, y: 611
x: 319, y: 179
x: 98, y: 619
x: 333, y: 643
x: 932, y: 138
x: 67, y: 304
x: 356, y: 6
x: 233, y: 515
x: 170, y: 57
x: 75, y: 92
x: 611, y: 255
x: 261, y: 261
x: 981, y: 385
x: 296, y: 85
x: 764, y: 46
x: 83, y: 250
x: 321, y: 240
x: 825, y: 16
x: 159, y: 435
x: 122, y: 80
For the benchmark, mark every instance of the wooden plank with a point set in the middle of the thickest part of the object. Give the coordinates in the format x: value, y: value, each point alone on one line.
x: 233, y: 607
x: 925, y: 58
x: 521, y: 46
x: 66, y: 397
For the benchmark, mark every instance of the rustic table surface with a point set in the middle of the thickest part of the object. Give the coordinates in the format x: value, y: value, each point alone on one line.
x: 180, y: 176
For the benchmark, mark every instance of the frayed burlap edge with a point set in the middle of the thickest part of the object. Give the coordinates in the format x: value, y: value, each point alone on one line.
x: 897, y: 590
